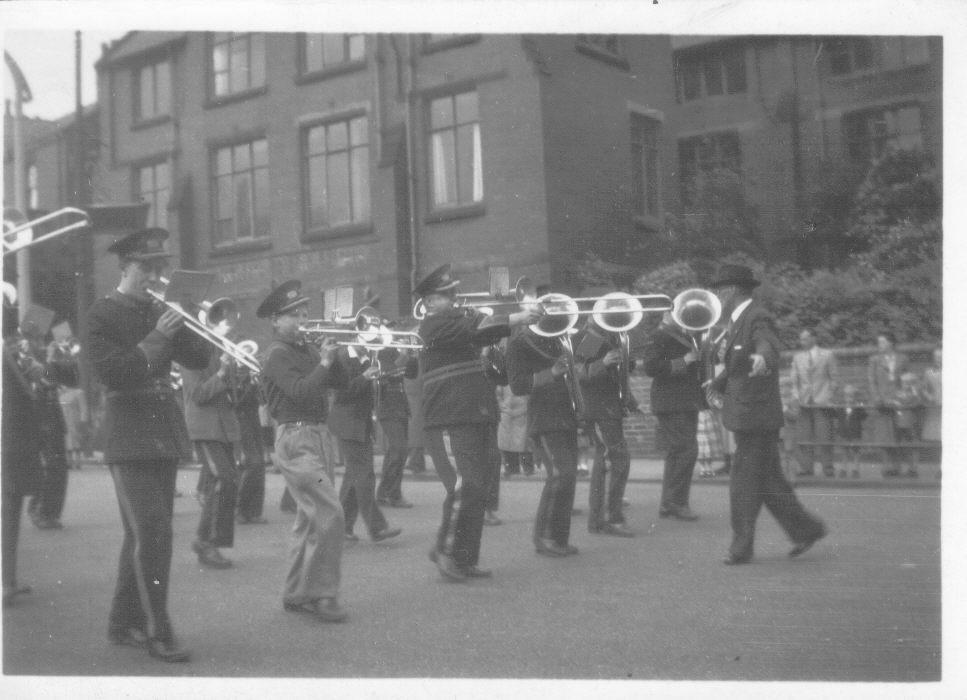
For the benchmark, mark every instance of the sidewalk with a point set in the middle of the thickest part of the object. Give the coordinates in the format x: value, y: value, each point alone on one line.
x: 645, y: 470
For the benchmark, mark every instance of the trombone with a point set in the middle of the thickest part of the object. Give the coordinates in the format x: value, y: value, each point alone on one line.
x: 367, y: 326
x: 13, y: 227
x: 215, y: 319
x: 508, y: 298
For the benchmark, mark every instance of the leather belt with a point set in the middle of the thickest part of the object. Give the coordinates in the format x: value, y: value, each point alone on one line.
x: 302, y: 423
x: 450, y: 371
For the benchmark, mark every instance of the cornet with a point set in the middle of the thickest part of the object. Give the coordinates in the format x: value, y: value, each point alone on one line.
x: 215, y: 319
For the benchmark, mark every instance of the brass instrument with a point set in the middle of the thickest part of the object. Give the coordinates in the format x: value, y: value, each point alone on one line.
x: 366, y: 325
x: 214, y: 320
x: 508, y: 298
x: 619, y: 312
x: 696, y: 311
x: 15, y: 224
x: 558, y: 325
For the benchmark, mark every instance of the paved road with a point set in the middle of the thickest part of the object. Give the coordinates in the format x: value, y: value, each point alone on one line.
x: 863, y: 605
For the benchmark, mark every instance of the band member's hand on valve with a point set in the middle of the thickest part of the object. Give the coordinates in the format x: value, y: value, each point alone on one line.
x: 169, y: 323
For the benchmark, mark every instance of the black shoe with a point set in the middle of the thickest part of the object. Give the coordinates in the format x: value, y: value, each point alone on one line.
x: 447, y: 566
x: 168, y: 651
x: 616, y: 529
x: 350, y: 537
x: 570, y: 549
x: 683, y: 513
x: 324, y: 609
x: 128, y: 637
x: 399, y: 503
x: 287, y: 509
x: 382, y: 501
x: 733, y: 560
x: 476, y: 572
x: 491, y: 519
x: 386, y: 533
x: 801, y: 547
x: 550, y: 548
x: 210, y: 556
x: 48, y: 523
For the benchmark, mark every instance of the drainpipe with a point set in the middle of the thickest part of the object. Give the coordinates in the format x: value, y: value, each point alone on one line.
x: 410, y: 161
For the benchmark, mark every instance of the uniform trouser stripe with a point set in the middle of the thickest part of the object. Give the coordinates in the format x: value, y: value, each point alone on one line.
x: 217, y: 522
x: 134, y: 531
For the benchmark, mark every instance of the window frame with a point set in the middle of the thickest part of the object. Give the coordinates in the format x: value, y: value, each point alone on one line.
x: 136, y: 193
x: 216, y: 100
x: 704, y: 60
x: 849, y: 46
x: 235, y: 243
x: 350, y: 65
x: 351, y: 227
x: 429, y: 45
x: 443, y: 212
x: 865, y: 116
x: 139, y: 120
x: 712, y: 138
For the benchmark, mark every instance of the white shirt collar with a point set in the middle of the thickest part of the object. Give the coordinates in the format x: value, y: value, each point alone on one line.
x: 739, y: 309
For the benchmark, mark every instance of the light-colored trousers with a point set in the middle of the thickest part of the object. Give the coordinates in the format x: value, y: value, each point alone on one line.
x: 315, y: 551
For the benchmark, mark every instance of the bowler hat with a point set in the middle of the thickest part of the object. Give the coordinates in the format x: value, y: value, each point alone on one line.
x: 737, y: 275
x: 146, y: 244
x: 440, y: 280
x: 283, y: 298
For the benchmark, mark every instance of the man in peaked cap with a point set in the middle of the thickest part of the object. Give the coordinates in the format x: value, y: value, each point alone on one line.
x: 131, y: 344
x: 296, y: 377
x: 752, y: 410
x: 459, y: 398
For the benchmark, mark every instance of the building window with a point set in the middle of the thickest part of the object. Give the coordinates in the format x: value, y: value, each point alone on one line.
x: 439, y: 42
x: 901, y: 51
x: 871, y: 133
x: 153, y: 184
x: 33, y: 188
x: 237, y: 63
x: 153, y: 91
x: 701, y: 155
x: 337, y: 173
x: 241, y: 192
x: 337, y: 302
x: 714, y: 71
x: 644, y: 165
x: 325, y: 51
x: 456, y: 172
x: 605, y: 47
x: 849, y: 54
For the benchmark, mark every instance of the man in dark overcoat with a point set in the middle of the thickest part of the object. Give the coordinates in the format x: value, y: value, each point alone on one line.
x: 752, y: 410
x: 131, y: 344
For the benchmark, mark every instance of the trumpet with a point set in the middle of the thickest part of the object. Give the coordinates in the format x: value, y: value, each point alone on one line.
x: 214, y: 320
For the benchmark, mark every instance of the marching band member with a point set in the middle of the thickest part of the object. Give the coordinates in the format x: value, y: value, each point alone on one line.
x: 351, y: 422
x: 393, y: 414
x: 131, y: 345
x: 295, y: 378
x: 214, y: 430
x: 251, y: 457
x: 458, y: 397
x: 598, y: 357
x: 676, y: 398
x: 20, y: 439
x: 536, y: 366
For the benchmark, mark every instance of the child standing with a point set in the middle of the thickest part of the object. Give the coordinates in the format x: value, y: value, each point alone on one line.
x: 850, y: 427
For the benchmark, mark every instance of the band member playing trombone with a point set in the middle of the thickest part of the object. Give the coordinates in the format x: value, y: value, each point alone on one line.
x: 214, y: 430
x: 351, y: 422
x: 295, y: 378
x: 393, y: 414
x: 540, y: 366
x: 131, y: 344
x: 458, y: 397
x: 603, y: 371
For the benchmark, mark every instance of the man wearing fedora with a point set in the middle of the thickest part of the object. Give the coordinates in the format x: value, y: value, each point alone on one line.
x: 131, y: 344
x: 296, y: 377
x: 752, y: 410
x: 458, y: 397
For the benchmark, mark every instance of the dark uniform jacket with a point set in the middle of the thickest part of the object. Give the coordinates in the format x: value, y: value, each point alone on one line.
x: 393, y: 404
x: 21, y: 430
x: 142, y: 420
x: 209, y: 409
x: 529, y: 361
x: 456, y: 389
x: 295, y: 385
x: 675, y: 387
x: 351, y: 412
x: 59, y: 372
x: 599, y: 383
x: 751, y: 403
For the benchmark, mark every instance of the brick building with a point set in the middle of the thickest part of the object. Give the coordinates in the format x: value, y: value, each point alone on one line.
x: 358, y: 163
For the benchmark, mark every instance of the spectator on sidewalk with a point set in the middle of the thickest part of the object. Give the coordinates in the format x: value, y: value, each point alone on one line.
x: 885, y: 368
x: 815, y: 377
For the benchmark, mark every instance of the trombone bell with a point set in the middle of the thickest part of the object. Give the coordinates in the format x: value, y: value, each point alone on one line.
x: 617, y: 312
x: 560, y: 315
x: 696, y: 309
